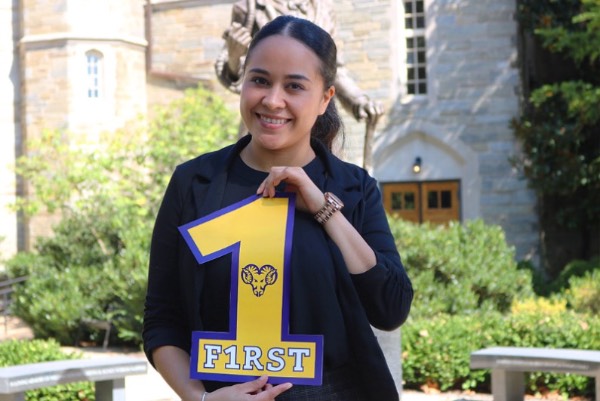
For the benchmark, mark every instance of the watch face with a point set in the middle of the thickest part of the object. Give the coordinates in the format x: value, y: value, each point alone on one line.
x: 332, y: 197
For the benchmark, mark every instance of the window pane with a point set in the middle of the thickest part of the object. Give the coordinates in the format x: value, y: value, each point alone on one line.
x: 422, y: 73
x: 432, y: 200
x: 421, y: 41
x: 396, y: 200
x: 408, y: 7
x: 411, y: 89
x: 446, y: 200
x: 420, y: 7
x: 420, y: 22
x: 410, y: 58
x: 409, y: 201
x: 422, y: 88
x: 410, y: 43
x: 421, y: 57
x: 409, y: 23
x: 411, y: 74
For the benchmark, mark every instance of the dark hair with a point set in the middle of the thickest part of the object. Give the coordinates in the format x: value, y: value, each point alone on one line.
x: 329, y: 124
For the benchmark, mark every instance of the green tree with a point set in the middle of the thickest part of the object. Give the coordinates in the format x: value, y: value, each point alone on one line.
x: 107, y: 193
x: 560, y: 125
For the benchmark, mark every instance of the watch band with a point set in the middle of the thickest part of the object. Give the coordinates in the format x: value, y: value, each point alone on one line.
x: 332, y: 205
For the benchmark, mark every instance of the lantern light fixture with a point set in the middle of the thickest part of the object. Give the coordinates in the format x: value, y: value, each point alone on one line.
x: 416, y: 167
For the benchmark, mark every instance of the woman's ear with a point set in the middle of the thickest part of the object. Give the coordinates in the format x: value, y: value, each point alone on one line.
x: 327, y: 97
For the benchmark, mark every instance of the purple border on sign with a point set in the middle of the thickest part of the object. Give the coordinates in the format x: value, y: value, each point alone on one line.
x: 234, y: 249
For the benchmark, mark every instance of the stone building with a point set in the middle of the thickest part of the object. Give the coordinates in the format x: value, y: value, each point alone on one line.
x: 446, y: 71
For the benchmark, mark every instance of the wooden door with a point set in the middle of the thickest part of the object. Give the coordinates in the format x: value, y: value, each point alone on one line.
x: 403, y: 200
x: 440, y: 201
x: 436, y: 202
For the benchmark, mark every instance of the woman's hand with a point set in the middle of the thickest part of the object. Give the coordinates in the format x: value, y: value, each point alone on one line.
x: 309, y: 197
x: 255, y: 390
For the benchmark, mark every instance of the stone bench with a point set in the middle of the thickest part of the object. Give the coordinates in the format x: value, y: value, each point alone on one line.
x: 6, y: 290
x: 508, y: 365
x: 108, y: 374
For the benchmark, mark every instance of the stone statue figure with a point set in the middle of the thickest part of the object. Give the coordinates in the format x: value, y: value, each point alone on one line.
x: 248, y: 16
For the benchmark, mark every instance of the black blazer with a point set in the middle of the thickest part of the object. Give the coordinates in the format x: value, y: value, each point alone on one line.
x: 380, y: 297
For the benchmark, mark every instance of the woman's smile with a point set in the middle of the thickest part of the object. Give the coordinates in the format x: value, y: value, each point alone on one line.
x: 272, y: 122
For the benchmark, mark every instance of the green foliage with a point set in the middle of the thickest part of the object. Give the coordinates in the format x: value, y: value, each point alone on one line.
x: 573, y: 269
x: 568, y: 26
x: 561, y: 149
x: 462, y: 268
x: 581, y: 38
x: 436, y: 351
x: 583, y: 294
x: 538, y: 14
x: 13, y: 352
x: 559, y: 129
x: 107, y: 193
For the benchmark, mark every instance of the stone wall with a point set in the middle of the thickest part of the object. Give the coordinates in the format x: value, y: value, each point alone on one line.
x: 364, y: 43
x: 461, y: 127
x: 44, y: 17
x: 186, y: 38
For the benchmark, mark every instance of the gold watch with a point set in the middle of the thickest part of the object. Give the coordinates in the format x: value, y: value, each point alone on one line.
x: 332, y: 205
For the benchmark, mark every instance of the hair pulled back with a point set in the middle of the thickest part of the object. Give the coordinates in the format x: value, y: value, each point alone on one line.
x: 329, y: 124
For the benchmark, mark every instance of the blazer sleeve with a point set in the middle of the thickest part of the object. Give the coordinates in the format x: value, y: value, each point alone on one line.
x: 385, y: 290
x: 164, y: 315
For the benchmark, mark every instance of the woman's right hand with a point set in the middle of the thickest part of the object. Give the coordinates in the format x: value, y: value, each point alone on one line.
x: 255, y: 390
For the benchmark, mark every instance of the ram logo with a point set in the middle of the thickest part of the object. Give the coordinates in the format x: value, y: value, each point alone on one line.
x: 259, y: 277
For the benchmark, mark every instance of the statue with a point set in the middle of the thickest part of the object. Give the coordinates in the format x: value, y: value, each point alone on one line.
x: 248, y: 16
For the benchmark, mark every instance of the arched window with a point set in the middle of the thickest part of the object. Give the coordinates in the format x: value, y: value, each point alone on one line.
x: 94, y: 74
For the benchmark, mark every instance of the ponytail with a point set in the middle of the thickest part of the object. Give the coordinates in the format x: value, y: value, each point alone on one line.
x: 328, y: 126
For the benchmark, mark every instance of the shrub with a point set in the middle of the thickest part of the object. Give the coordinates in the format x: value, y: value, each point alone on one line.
x: 15, y: 352
x: 583, y: 294
x: 437, y: 351
x: 107, y: 193
x: 575, y: 268
x: 543, y: 306
x: 459, y: 269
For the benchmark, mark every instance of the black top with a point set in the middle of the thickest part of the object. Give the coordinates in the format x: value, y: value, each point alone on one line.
x: 314, y: 307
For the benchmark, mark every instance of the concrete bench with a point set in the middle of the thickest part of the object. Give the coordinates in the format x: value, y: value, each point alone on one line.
x: 107, y: 373
x: 508, y: 365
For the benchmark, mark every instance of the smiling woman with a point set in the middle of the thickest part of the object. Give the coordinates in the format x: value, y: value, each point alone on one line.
x: 282, y: 96
x: 345, y: 273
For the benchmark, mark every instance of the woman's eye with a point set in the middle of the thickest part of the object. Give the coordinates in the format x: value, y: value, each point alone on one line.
x: 295, y: 86
x: 259, y: 80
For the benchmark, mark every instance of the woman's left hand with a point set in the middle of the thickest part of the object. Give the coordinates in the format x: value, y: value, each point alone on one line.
x: 309, y: 198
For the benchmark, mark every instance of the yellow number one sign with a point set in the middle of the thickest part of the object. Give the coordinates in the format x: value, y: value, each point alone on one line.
x: 257, y: 232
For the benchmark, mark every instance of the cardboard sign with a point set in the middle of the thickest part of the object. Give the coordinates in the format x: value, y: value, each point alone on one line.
x: 257, y: 232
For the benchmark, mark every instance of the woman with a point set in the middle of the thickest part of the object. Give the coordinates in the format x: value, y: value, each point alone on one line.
x: 346, y: 271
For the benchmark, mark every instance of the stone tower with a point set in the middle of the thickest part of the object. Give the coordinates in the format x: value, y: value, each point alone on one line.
x: 82, y: 69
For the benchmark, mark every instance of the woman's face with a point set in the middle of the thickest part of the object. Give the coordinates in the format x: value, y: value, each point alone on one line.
x: 282, y: 94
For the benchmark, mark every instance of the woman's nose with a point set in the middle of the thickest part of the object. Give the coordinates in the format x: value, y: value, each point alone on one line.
x: 274, y: 98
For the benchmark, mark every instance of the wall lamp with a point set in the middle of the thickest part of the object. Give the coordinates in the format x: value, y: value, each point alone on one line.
x: 416, y: 167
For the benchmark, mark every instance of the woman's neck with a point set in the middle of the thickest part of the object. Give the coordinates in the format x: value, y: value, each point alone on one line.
x: 262, y: 159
